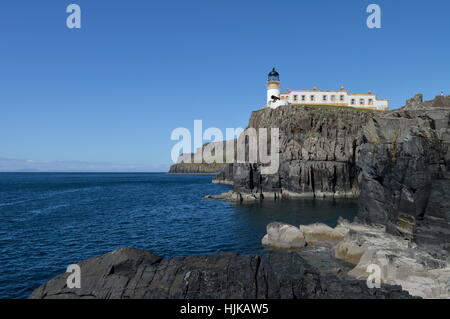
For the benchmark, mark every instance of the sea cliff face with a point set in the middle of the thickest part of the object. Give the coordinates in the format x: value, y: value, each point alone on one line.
x: 405, y: 165
x: 189, y: 163
x: 319, y: 149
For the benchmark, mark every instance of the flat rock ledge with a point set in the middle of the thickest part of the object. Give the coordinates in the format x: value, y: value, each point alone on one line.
x: 423, y: 272
x: 131, y: 273
x: 223, y: 182
x: 282, y: 235
x: 234, y: 196
x: 248, y: 197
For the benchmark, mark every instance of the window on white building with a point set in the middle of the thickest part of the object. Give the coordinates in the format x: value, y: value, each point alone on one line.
x: 295, y: 97
x: 341, y: 98
x: 333, y: 98
x: 361, y: 102
x: 353, y: 102
x: 370, y: 102
x: 303, y: 97
x: 324, y: 97
x: 312, y: 98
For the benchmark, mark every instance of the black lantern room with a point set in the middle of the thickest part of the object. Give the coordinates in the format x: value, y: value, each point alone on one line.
x: 274, y: 75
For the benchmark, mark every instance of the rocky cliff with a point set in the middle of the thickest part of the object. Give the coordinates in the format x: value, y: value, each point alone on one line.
x: 188, y: 163
x: 319, y: 149
x: 131, y: 273
x: 405, y: 165
x: 397, y: 162
x: 403, y: 223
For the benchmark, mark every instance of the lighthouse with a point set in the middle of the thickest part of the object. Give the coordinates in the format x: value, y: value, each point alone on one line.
x: 273, y: 90
x: 273, y: 86
x: 341, y: 97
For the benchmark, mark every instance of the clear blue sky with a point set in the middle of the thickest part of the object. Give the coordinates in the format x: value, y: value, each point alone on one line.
x: 114, y: 90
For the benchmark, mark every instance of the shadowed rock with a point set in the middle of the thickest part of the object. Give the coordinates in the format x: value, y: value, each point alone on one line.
x: 131, y: 273
x: 405, y: 179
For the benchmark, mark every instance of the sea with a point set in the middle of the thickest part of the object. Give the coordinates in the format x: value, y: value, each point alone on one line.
x: 51, y: 220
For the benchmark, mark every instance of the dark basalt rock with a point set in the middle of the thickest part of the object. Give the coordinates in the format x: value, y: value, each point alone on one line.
x: 405, y: 182
x: 318, y: 152
x: 131, y: 273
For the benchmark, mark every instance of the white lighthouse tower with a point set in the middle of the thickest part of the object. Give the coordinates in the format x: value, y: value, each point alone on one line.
x: 273, y: 90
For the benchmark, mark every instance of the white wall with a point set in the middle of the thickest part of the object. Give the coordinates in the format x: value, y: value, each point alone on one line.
x: 271, y: 92
x: 277, y: 103
x: 318, y: 98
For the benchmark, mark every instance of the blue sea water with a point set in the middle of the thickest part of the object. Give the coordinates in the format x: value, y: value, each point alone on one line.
x: 51, y: 220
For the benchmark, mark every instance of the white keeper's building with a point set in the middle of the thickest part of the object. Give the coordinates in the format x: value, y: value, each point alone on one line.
x: 339, y: 97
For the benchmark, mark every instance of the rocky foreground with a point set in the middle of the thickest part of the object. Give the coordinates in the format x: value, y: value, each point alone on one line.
x: 423, y: 272
x: 397, y: 163
x: 131, y: 273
